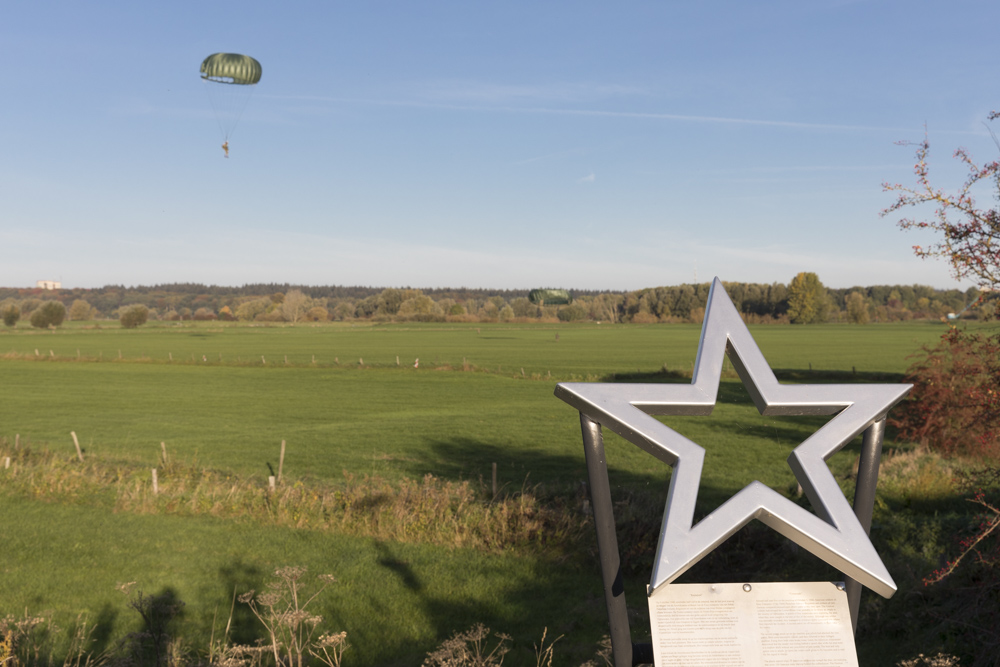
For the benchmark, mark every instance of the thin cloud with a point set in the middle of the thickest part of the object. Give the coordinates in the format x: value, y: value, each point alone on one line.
x: 549, y: 156
x: 493, y: 93
x: 597, y: 113
x: 589, y: 178
x: 723, y: 120
x: 800, y: 168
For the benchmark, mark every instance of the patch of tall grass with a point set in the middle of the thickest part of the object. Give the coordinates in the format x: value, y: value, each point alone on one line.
x: 429, y: 510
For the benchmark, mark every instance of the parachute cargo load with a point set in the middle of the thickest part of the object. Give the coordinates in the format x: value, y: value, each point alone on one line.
x: 230, y: 79
x: 549, y: 297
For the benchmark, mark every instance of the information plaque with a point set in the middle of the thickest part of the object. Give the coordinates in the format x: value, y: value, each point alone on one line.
x: 802, y: 624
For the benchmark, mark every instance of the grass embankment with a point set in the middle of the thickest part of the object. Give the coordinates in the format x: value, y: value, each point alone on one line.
x: 400, y: 593
x: 205, y: 534
x: 395, y: 600
x: 429, y: 511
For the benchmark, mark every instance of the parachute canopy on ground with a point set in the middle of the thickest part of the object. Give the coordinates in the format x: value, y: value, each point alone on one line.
x: 230, y: 79
x: 550, y: 297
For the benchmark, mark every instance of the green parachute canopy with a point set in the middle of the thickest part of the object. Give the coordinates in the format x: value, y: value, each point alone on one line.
x: 230, y: 79
x: 231, y: 68
x: 550, y: 297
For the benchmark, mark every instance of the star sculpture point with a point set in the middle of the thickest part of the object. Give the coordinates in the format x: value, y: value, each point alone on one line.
x: 833, y: 533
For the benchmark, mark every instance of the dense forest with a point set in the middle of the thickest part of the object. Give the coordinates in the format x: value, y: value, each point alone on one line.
x: 803, y: 300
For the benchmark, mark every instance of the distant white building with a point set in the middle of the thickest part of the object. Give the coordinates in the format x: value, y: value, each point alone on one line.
x: 48, y: 284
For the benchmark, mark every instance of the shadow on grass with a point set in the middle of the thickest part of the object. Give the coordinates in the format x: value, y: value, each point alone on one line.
x: 520, y: 602
x: 889, y: 628
x: 103, y: 629
x: 237, y: 578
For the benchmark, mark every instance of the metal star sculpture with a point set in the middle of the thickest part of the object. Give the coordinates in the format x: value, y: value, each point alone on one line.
x: 833, y: 533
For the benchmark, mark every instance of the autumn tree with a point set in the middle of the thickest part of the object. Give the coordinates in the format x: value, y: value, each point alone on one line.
x: 11, y: 314
x: 294, y: 305
x: 574, y: 312
x: 344, y: 310
x: 523, y: 307
x: 970, y: 236
x: 133, y: 316
x: 49, y: 314
x: 807, y: 299
x: 857, y: 308
x: 954, y: 406
x: 420, y: 307
x: 367, y: 307
x: 317, y: 314
x: 959, y: 377
x: 390, y: 299
x: 251, y: 309
x: 81, y: 310
x: 604, y: 307
x: 28, y: 306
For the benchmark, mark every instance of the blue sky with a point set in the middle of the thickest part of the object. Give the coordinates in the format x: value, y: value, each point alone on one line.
x: 518, y: 144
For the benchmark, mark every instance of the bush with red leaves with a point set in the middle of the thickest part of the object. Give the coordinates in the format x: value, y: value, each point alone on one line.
x: 954, y: 407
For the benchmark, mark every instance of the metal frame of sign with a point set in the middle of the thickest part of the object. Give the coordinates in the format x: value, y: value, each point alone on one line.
x: 836, y: 532
x: 625, y: 653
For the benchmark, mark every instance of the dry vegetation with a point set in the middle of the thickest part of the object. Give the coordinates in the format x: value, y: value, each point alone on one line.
x: 430, y: 510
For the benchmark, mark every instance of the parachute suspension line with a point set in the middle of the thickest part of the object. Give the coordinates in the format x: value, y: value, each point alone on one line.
x: 228, y: 103
x: 241, y: 104
x: 231, y: 78
x: 217, y: 108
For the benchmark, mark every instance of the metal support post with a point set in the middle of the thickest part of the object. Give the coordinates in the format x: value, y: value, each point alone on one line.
x: 864, y: 500
x: 607, y: 542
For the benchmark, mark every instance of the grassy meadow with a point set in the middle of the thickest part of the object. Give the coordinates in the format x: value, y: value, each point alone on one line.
x: 222, y: 398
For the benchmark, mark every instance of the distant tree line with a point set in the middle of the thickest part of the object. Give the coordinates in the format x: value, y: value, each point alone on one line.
x: 803, y: 300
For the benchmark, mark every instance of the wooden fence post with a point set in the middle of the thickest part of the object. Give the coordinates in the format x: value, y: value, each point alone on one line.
x: 281, y: 460
x: 156, y: 484
x: 79, y: 452
x: 494, y: 480
x: 163, y: 448
x: 270, y: 483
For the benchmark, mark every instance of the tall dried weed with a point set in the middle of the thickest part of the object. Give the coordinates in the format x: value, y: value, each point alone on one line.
x: 429, y: 510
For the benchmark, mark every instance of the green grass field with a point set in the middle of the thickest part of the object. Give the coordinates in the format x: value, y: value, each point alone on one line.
x: 204, y: 390
x: 381, y: 418
x: 584, y: 349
